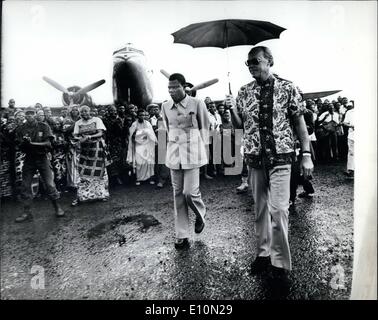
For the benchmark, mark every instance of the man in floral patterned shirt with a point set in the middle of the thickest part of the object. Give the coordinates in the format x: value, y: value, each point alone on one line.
x: 270, y: 108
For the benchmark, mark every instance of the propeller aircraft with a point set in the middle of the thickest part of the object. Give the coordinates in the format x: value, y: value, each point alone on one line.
x: 132, y: 83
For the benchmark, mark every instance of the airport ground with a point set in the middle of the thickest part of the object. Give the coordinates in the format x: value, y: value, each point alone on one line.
x: 123, y: 249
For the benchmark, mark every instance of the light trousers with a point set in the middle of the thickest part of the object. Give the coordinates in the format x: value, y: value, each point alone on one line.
x: 350, y: 162
x: 186, y: 193
x: 271, y: 192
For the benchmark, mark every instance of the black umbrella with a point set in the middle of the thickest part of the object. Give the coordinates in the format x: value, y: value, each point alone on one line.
x: 227, y: 33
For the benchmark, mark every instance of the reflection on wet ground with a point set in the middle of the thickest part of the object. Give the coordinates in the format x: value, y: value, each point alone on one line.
x: 123, y: 249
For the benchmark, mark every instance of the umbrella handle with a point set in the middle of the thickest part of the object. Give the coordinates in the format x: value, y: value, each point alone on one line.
x: 229, y: 83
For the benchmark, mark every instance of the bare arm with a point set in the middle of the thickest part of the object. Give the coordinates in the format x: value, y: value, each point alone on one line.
x: 301, y: 130
x: 98, y: 134
x: 235, y: 118
x: 306, y: 163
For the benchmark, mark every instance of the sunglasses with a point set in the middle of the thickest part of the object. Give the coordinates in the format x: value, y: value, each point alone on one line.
x: 252, y: 62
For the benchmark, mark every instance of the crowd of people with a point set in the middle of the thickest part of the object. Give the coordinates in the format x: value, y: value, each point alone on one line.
x: 129, y: 149
x: 89, y: 148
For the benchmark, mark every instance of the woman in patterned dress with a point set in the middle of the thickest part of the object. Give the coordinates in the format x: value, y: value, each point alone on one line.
x: 7, y: 157
x: 93, y: 159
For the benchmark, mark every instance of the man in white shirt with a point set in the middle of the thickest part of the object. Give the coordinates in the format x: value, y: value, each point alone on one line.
x: 349, y: 122
x: 330, y: 119
x: 214, y: 146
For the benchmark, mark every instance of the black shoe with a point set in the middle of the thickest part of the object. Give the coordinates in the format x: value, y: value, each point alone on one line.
x: 281, y: 278
x: 199, y: 225
x: 292, y: 208
x: 24, y: 217
x: 260, y: 264
x: 182, y: 243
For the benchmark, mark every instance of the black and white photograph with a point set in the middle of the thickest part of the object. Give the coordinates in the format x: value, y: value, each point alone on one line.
x: 188, y: 151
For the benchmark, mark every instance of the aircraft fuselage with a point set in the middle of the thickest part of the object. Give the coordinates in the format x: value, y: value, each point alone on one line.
x: 131, y: 83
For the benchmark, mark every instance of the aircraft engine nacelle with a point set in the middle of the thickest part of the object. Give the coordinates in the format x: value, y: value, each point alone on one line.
x: 80, y: 99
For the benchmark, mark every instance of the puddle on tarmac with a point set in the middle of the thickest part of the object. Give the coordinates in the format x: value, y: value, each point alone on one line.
x: 144, y: 220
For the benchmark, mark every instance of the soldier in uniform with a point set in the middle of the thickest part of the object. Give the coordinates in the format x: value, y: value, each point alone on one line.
x: 33, y: 138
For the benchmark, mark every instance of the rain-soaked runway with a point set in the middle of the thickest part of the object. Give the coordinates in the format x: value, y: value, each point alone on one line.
x: 123, y: 249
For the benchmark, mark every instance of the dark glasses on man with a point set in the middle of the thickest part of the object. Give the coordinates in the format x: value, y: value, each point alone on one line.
x: 252, y: 62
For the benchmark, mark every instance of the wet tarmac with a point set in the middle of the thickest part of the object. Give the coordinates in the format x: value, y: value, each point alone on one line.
x: 123, y: 248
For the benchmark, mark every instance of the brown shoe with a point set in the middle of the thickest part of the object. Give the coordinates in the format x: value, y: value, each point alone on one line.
x: 24, y: 217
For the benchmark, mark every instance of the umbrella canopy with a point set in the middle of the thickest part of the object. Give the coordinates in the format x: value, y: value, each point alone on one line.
x: 316, y: 95
x: 227, y: 33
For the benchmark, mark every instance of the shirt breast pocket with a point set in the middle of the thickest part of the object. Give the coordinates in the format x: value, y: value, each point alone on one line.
x: 187, y: 120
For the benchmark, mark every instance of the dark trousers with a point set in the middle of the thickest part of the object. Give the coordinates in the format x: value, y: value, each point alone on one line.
x: 333, y: 147
x: 297, y: 179
x: 327, y: 148
x: 161, y: 173
x: 342, y: 143
x: 45, y: 169
x: 244, y: 172
x: 215, y: 155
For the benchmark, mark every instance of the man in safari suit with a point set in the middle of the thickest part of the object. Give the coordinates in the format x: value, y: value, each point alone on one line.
x: 187, y: 123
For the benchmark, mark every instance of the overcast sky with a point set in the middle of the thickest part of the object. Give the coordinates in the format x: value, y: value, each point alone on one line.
x: 327, y: 45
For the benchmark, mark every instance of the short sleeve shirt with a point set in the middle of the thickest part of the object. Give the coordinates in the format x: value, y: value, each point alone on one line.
x: 268, y: 111
x: 89, y: 126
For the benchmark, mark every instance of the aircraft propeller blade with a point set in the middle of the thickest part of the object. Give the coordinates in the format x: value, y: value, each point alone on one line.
x: 165, y: 73
x: 204, y: 84
x: 90, y: 87
x: 198, y: 86
x: 55, y: 84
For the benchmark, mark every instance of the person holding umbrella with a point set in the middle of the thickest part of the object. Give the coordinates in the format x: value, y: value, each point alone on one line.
x: 187, y: 122
x: 269, y: 106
